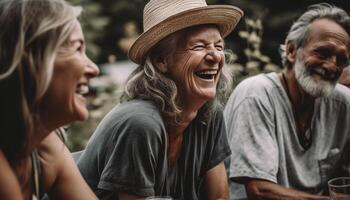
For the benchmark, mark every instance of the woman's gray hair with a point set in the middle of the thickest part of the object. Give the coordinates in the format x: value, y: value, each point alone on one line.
x: 31, y: 33
x: 298, y: 33
x: 147, y: 82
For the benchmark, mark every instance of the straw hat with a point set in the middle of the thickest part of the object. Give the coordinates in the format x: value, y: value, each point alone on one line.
x: 164, y: 17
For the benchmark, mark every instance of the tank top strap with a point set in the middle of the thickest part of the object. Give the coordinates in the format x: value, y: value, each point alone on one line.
x: 36, y: 175
x: 60, y: 132
x: 37, y: 187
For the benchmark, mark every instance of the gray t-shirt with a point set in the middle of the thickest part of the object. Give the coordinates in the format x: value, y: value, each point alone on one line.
x: 127, y: 153
x: 263, y: 137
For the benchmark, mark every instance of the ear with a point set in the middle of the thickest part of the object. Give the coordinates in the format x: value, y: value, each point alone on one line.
x: 291, y: 52
x: 161, y: 64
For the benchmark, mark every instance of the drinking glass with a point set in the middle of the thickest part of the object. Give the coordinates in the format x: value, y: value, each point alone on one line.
x: 339, y: 188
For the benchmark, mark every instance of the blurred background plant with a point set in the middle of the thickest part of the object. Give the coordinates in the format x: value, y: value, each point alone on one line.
x: 256, y: 62
x: 111, y: 26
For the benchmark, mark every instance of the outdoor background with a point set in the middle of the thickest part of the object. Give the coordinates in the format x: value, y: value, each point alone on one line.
x: 110, y: 27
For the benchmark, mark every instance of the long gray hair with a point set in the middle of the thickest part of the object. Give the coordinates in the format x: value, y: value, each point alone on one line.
x: 31, y: 33
x: 147, y: 82
x: 298, y: 33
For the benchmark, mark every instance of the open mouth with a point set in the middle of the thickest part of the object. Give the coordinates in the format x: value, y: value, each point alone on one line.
x: 82, y: 89
x: 207, y: 74
x: 326, y: 75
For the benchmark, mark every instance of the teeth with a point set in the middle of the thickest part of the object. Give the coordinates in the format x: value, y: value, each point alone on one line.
x: 82, y: 89
x: 326, y: 75
x: 320, y: 71
x: 208, y: 72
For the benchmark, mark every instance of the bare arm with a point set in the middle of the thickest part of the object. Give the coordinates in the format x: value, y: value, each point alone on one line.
x: 216, y: 184
x: 63, y: 179
x: 9, y: 186
x: 261, y: 189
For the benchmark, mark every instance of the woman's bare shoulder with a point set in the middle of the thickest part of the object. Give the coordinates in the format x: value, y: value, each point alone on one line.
x: 9, y: 186
x: 62, y: 179
x: 52, y: 155
x: 51, y: 148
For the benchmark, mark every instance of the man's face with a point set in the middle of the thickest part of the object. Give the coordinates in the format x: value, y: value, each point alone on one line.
x: 319, y: 64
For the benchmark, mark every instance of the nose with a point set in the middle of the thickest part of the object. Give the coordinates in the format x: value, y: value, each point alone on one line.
x: 213, y: 56
x: 92, y: 69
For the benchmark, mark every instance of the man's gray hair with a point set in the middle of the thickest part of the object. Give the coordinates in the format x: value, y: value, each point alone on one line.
x: 298, y: 33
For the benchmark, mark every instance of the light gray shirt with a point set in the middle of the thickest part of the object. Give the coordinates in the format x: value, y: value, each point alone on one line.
x: 264, y: 142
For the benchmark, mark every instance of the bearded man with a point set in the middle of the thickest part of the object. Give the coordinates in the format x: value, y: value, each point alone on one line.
x: 289, y: 131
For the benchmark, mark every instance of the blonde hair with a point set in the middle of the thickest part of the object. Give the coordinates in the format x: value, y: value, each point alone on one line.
x: 28, y: 47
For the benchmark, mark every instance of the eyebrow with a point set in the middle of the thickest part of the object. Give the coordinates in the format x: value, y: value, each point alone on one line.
x: 220, y: 40
x: 331, y: 47
x: 205, y: 41
x: 81, y: 41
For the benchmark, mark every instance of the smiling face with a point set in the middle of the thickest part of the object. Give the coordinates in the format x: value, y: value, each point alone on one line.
x: 319, y: 64
x: 196, y: 63
x: 64, y: 100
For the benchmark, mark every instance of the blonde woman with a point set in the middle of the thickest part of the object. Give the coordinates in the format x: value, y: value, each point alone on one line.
x: 44, y: 74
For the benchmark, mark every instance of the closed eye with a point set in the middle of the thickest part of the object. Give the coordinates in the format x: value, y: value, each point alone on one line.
x: 219, y: 47
x: 81, y: 48
x: 198, y: 47
x: 78, y: 45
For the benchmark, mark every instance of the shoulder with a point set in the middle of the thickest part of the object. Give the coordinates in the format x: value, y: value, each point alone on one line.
x: 216, y: 117
x: 133, y: 108
x: 139, y: 114
x: 52, y: 155
x: 131, y: 120
x: 259, y: 90
x: 135, y: 114
x: 258, y: 84
x: 9, y: 185
x: 51, y: 148
x: 340, y: 94
x: 60, y: 176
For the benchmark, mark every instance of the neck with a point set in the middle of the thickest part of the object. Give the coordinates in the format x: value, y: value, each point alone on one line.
x: 302, y: 106
x: 185, y: 119
x: 42, y: 132
x: 297, y: 95
x: 189, y: 111
x: 176, y: 131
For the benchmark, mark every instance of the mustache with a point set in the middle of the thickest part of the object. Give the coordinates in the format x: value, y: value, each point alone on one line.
x: 326, y: 72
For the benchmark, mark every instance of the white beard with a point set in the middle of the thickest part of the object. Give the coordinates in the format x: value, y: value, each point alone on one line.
x: 315, y: 88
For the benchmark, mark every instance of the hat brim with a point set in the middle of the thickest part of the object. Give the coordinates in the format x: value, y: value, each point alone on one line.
x: 225, y: 17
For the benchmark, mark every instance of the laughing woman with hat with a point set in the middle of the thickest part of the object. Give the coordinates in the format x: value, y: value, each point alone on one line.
x: 167, y: 137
